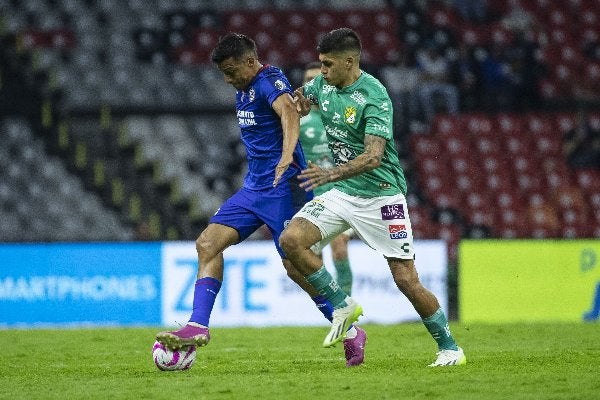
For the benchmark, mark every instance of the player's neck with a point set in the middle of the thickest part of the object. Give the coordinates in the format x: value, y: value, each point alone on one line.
x: 352, y: 77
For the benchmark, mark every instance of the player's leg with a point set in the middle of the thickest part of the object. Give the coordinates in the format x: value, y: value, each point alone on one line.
x: 385, y: 226
x: 231, y: 224
x: 210, y: 246
x: 339, y: 253
x: 427, y: 306
x: 313, y: 223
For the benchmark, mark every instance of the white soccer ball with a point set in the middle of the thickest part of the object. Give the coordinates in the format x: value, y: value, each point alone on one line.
x: 173, y: 360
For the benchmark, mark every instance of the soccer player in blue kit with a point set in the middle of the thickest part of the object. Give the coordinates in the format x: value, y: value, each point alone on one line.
x: 271, y: 194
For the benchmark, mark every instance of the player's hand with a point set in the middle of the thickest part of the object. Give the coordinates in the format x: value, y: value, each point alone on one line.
x: 313, y: 177
x: 301, y: 102
x: 281, y: 167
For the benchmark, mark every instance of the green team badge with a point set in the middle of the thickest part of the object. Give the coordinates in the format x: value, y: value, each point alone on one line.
x: 350, y: 114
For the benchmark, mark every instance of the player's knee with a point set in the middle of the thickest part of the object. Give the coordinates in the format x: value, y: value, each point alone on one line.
x: 203, y: 244
x: 289, y: 241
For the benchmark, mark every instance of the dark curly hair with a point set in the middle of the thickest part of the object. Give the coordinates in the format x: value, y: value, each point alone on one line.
x: 234, y: 45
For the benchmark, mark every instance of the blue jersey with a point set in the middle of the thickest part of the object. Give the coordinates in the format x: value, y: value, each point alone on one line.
x: 262, y: 133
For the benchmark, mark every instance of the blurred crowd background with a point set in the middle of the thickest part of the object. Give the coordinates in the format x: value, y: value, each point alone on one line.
x: 115, y: 126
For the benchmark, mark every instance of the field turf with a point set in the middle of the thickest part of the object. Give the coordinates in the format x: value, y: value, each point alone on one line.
x: 511, y: 361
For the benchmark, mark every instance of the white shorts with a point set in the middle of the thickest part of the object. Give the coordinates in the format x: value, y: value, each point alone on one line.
x: 381, y: 222
x: 318, y: 247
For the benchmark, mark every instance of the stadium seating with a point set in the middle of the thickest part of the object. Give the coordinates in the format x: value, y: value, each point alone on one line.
x: 143, y: 128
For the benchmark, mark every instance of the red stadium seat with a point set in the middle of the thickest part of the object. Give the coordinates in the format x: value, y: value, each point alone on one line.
x: 446, y: 125
x: 488, y: 146
x: 588, y: 179
x: 478, y: 124
x: 510, y: 124
x: 457, y: 146
x: 423, y: 145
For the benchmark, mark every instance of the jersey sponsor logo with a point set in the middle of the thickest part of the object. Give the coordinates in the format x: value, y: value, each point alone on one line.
x: 396, y: 228
x: 397, y: 231
x: 246, y: 118
x: 381, y: 128
x: 328, y: 89
x: 279, y: 84
x: 384, y: 106
x: 341, y: 153
x: 336, y: 132
x: 336, y: 118
x: 359, y: 98
x: 350, y: 114
x: 392, y: 211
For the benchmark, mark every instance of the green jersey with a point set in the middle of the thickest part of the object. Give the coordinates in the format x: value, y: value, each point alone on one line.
x: 363, y: 107
x: 314, y: 143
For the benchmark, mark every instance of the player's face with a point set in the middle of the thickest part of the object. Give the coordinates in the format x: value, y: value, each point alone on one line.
x: 238, y: 72
x: 310, y: 74
x: 335, y: 68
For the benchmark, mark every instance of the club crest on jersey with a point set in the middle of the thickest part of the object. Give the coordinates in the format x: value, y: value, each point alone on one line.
x: 279, y: 84
x: 350, y: 114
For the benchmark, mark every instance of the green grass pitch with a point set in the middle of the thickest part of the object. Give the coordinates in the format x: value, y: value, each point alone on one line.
x: 505, y: 361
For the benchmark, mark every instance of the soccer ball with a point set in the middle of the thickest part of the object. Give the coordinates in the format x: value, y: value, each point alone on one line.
x: 173, y: 360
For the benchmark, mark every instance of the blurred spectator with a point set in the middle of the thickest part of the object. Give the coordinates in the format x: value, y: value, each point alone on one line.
x: 435, y: 82
x: 472, y: 10
x: 401, y: 80
x: 525, y: 70
x: 466, y: 75
x: 498, y: 91
x: 518, y: 20
x: 581, y: 145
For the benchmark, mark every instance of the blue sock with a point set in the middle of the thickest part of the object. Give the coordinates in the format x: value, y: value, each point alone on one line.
x: 205, y: 293
x: 324, y: 306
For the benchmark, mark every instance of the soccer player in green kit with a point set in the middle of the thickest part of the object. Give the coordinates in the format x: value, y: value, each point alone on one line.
x: 368, y: 194
x: 316, y: 151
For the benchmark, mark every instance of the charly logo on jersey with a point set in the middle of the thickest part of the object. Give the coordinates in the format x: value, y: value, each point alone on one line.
x: 279, y: 84
x: 350, y: 114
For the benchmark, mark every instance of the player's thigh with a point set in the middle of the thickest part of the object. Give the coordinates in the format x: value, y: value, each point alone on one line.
x: 327, y: 214
x: 215, y: 238
x: 383, y: 223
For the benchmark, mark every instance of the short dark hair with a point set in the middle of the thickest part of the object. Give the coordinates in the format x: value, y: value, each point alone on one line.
x: 313, y: 65
x: 234, y: 45
x: 339, y: 40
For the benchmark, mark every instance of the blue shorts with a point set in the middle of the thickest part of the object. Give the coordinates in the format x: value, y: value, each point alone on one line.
x: 247, y: 210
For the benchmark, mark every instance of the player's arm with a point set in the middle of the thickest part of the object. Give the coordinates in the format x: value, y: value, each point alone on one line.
x: 314, y: 176
x: 290, y: 122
